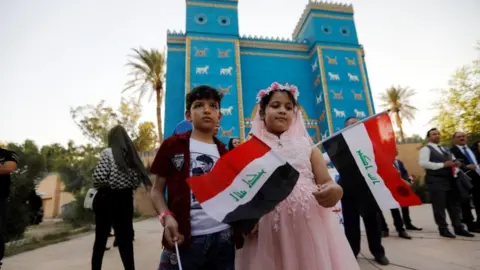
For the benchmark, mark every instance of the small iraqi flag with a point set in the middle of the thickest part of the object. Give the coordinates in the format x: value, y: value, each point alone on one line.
x: 364, y: 155
x: 245, y: 184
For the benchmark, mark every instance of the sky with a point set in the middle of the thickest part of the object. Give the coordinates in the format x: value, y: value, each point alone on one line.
x: 57, y: 54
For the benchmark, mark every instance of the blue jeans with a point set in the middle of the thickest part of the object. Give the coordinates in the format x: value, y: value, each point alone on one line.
x: 214, y: 251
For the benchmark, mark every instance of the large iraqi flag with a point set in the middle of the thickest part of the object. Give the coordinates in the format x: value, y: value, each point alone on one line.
x: 364, y: 155
x: 245, y: 184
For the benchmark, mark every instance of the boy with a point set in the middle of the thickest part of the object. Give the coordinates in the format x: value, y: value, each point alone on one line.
x: 204, y: 243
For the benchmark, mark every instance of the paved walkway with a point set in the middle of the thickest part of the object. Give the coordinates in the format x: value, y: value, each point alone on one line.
x: 426, y: 251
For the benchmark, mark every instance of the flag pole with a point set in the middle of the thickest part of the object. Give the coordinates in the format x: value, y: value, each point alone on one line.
x: 178, y: 256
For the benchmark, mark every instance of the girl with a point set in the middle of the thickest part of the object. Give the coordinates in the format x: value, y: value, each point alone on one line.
x: 233, y: 142
x: 116, y: 176
x: 301, y: 232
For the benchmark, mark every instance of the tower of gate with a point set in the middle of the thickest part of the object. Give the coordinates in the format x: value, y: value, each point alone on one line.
x: 341, y: 83
x: 209, y: 53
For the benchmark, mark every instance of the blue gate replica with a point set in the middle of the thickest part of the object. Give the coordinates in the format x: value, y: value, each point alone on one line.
x: 323, y: 58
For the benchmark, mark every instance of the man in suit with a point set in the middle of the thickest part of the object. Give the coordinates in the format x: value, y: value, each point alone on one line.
x: 464, y: 154
x: 353, y: 208
x: 439, y: 164
x: 397, y: 217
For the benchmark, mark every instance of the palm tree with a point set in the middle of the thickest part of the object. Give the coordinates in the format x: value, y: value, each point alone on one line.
x: 148, y: 72
x: 397, y: 99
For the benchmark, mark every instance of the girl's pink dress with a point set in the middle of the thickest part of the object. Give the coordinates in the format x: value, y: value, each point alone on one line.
x: 298, y: 233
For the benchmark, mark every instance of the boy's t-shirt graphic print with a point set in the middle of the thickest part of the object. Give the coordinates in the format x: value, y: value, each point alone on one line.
x: 203, y: 157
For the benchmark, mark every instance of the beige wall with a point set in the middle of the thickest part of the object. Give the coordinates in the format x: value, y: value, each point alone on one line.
x: 408, y: 154
x: 143, y: 203
x: 53, y: 195
x: 148, y: 156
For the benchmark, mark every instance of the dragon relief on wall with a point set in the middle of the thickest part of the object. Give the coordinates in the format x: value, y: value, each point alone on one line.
x: 350, y: 62
x: 224, y: 54
x: 226, y: 133
x: 337, y: 95
x: 224, y: 90
x: 331, y: 60
x: 357, y: 96
x: 200, y: 52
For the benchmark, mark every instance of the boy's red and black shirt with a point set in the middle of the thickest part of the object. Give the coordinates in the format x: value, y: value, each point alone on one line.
x: 172, y: 162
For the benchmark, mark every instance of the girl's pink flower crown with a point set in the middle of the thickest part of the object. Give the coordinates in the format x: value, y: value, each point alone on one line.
x: 275, y: 86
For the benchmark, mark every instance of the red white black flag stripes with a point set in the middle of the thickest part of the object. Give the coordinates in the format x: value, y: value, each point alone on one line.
x: 245, y: 184
x: 364, y: 155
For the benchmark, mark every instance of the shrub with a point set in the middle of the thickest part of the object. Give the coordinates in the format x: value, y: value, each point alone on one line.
x: 17, y: 207
x: 75, y: 214
x: 421, y: 189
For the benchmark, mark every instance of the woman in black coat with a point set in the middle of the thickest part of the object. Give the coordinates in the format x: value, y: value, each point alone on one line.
x: 233, y: 142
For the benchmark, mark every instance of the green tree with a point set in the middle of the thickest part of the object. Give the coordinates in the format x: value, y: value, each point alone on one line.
x: 415, y: 138
x: 458, y: 108
x: 397, y: 99
x: 146, y: 137
x: 75, y: 165
x: 148, y: 76
x: 96, y: 120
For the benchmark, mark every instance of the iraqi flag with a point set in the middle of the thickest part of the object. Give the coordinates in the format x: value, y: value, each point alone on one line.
x: 245, y: 184
x: 364, y: 155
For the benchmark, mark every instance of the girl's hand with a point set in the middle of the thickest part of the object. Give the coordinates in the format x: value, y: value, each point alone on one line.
x: 328, y: 195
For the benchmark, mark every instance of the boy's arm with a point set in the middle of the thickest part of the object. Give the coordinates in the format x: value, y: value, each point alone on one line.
x: 157, y: 194
x: 161, y: 168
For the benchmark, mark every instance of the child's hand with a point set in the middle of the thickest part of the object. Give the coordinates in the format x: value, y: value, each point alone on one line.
x: 328, y: 195
x: 171, y: 231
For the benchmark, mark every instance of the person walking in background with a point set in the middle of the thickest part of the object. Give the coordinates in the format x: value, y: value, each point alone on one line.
x: 8, y: 164
x: 470, y: 164
x: 118, y: 173
x: 439, y: 164
x: 399, y: 220
x: 233, y: 142
x: 115, y: 243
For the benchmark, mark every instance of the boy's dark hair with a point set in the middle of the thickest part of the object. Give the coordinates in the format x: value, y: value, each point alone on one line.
x: 430, y: 130
x: 266, y: 99
x: 202, y: 92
